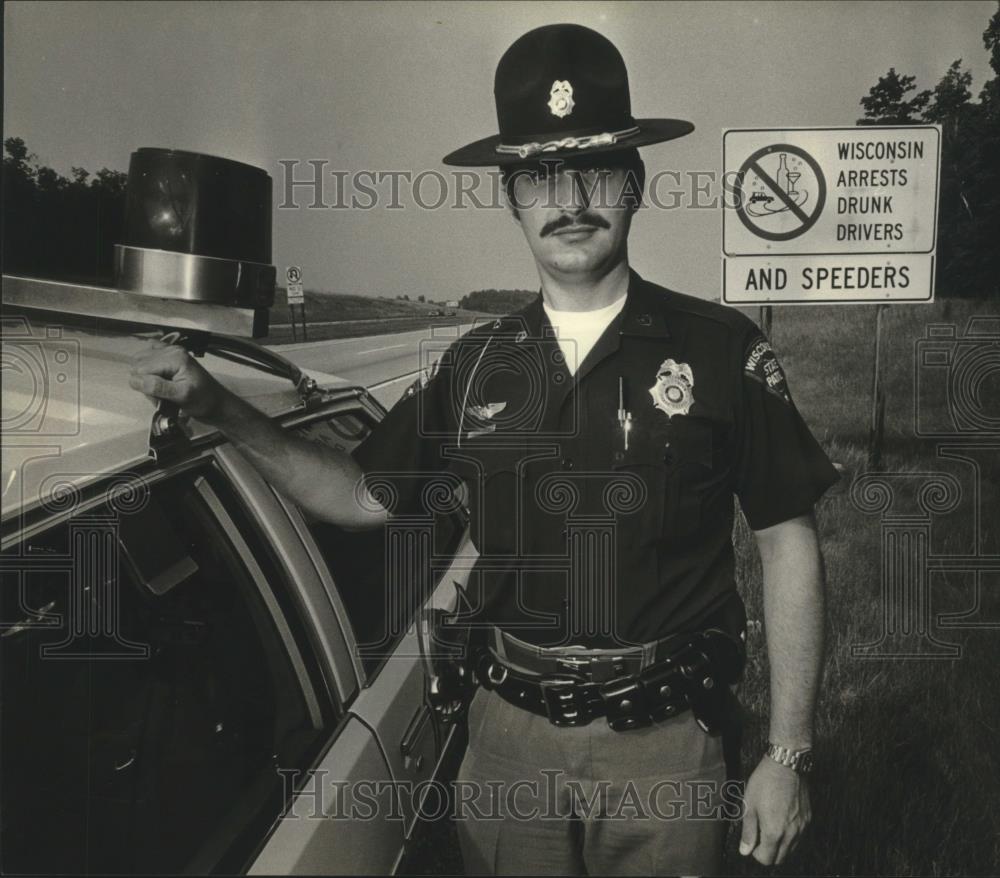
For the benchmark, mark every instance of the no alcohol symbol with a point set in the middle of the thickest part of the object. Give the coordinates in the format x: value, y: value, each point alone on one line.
x: 780, y: 192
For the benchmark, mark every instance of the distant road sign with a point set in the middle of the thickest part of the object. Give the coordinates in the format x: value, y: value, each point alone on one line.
x: 296, y: 295
x: 293, y: 274
x: 825, y: 215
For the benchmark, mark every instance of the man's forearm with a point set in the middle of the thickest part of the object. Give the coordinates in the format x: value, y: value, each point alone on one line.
x: 322, y: 480
x: 794, y: 614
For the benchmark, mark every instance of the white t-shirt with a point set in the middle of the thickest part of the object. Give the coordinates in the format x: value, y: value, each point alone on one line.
x: 579, y: 330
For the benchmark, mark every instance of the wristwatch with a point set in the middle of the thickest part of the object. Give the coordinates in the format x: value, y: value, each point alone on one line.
x: 799, y: 761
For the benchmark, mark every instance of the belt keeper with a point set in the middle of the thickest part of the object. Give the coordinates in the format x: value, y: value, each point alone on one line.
x: 625, y: 703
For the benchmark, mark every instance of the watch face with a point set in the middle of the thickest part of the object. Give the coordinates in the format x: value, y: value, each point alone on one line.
x: 805, y: 763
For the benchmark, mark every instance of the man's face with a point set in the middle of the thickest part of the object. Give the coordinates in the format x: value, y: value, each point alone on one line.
x: 575, y: 218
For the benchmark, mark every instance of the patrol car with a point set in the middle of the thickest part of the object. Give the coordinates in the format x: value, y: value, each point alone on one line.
x: 195, y: 676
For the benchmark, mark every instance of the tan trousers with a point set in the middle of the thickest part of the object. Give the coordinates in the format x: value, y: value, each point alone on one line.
x: 537, y: 799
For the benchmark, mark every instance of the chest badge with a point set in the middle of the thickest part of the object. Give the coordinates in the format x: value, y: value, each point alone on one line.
x: 673, y: 391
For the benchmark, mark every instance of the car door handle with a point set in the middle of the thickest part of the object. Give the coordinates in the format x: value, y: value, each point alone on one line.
x: 418, y: 725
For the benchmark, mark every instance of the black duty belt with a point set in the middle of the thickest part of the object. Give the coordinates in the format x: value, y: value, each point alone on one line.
x: 691, y: 671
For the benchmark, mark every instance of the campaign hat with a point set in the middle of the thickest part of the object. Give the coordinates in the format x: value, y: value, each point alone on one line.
x: 562, y: 92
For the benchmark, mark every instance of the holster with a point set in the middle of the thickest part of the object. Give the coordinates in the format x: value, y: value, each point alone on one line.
x: 453, y: 649
x: 709, y: 667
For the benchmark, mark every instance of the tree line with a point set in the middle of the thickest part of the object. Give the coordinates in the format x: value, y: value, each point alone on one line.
x: 968, y: 247
x: 59, y: 227
x: 497, y: 301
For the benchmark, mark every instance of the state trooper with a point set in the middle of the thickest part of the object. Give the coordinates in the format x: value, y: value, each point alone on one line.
x: 602, y: 433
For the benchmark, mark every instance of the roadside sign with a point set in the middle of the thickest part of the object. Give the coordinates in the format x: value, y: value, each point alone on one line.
x: 296, y: 296
x: 826, y: 215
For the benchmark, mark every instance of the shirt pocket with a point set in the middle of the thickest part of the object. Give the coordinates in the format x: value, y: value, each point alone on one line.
x: 695, y: 476
x: 494, y: 476
x: 681, y: 463
x: 637, y: 494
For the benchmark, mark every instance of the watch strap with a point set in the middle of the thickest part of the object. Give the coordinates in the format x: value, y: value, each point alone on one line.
x: 800, y: 761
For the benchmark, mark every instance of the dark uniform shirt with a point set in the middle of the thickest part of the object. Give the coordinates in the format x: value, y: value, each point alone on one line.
x: 586, y: 537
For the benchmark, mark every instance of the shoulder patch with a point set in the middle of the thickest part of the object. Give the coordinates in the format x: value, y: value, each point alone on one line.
x: 761, y: 364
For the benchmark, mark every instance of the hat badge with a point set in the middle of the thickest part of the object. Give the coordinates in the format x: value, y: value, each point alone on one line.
x: 561, y: 98
x: 673, y: 391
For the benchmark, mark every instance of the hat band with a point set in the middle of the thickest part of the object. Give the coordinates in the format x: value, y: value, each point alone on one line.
x: 606, y: 138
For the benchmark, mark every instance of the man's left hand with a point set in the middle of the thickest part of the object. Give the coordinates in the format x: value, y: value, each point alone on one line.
x: 776, y: 812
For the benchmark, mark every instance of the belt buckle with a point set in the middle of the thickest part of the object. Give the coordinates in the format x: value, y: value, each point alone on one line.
x: 625, y: 702
x: 595, y: 668
x: 575, y: 662
x: 562, y: 699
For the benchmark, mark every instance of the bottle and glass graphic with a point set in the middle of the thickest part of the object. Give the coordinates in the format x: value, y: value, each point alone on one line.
x: 786, y: 179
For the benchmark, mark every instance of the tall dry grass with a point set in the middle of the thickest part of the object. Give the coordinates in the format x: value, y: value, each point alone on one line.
x: 909, y: 749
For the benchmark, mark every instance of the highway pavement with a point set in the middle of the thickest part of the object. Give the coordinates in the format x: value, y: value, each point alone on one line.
x: 385, y: 364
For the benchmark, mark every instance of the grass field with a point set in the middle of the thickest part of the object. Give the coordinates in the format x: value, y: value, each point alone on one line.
x: 909, y: 749
x: 349, y: 306
x: 344, y: 315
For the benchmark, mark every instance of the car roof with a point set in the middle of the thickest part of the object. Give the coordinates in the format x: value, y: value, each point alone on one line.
x: 74, y: 418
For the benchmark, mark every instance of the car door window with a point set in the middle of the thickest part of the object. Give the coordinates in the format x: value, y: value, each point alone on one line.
x: 380, y: 598
x: 151, y: 689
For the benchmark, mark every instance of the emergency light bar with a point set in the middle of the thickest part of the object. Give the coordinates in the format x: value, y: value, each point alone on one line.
x: 197, y: 228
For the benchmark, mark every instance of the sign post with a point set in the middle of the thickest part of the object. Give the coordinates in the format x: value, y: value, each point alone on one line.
x: 877, y: 430
x: 296, y: 296
x: 832, y: 216
x: 765, y: 320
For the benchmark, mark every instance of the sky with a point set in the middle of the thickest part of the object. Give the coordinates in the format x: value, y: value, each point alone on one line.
x: 396, y: 86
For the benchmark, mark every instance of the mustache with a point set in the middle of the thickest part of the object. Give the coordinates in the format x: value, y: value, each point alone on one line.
x: 564, y: 221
